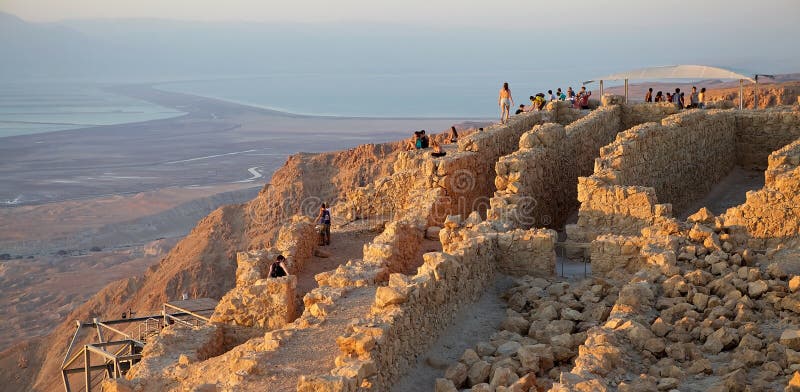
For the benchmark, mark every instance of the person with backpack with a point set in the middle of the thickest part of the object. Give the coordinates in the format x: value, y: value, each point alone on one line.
x: 324, y: 219
x: 278, y: 268
x: 425, y: 140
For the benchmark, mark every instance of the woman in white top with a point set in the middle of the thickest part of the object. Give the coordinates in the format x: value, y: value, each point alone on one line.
x: 506, y: 101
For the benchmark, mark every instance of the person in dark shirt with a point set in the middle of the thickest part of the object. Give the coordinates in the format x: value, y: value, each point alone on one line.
x: 659, y: 97
x: 324, y: 219
x: 278, y: 268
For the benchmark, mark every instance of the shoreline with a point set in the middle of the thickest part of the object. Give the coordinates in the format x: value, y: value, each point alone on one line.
x: 279, y: 111
x: 140, y: 91
x: 213, y: 142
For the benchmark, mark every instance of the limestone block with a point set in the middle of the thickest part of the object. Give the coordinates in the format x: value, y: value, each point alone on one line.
x: 386, y: 296
x: 326, y: 383
x: 444, y: 385
x: 432, y: 233
x: 457, y: 374
x: 791, y: 339
x: 479, y: 372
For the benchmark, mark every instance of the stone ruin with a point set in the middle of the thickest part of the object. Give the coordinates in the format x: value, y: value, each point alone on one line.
x: 706, y: 303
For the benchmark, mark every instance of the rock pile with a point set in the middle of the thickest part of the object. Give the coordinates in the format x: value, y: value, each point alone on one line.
x: 546, y: 323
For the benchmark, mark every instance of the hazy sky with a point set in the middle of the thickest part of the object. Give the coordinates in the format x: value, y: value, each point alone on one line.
x: 707, y: 16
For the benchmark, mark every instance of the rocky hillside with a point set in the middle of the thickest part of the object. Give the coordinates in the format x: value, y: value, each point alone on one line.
x: 768, y: 94
x: 203, y: 263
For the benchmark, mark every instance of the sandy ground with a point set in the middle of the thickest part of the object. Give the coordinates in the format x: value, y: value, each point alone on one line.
x: 111, y: 221
x: 36, y: 294
x: 347, y: 243
x: 312, y: 351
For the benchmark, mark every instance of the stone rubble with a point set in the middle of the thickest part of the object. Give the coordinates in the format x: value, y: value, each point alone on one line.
x: 709, y: 304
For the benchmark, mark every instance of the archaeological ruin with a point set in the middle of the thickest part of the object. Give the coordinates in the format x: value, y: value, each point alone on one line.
x: 622, y: 277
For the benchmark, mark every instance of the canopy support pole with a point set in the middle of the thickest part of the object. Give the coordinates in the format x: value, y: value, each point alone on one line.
x: 626, y: 90
x: 755, y: 94
x: 601, y: 89
x: 741, y: 94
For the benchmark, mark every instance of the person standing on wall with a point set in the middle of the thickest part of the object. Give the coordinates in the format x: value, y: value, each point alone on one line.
x: 324, y: 219
x: 506, y: 101
x: 649, y: 96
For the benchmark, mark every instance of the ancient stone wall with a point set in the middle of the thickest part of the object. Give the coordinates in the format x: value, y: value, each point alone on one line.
x: 771, y: 215
x: 397, y: 246
x: 681, y: 158
x: 259, y: 301
x: 760, y: 133
x: 267, y: 303
x: 639, y: 113
x: 649, y: 160
x: 408, y: 314
x: 536, y: 184
x: 462, y: 181
x: 394, y: 250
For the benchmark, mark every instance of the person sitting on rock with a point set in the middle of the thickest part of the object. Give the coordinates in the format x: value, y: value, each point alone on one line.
x: 425, y: 140
x: 437, y: 150
x: 694, y: 100
x: 324, y: 219
x: 453, y: 135
x: 570, y: 95
x: 659, y: 97
x: 416, y: 141
x: 278, y: 268
x: 521, y: 109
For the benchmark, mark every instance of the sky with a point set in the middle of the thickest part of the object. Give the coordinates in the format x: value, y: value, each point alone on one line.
x: 707, y: 16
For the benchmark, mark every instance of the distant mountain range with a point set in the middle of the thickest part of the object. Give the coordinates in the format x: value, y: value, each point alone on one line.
x: 153, y: 49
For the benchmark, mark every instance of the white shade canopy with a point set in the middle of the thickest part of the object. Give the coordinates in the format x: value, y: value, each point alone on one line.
x: 677, y: 72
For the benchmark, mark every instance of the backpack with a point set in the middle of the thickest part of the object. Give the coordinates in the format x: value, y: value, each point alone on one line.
x: 326, y: 217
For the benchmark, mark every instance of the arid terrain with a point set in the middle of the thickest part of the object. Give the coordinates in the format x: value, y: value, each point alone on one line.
x: 424, y: 241
x: 83, y: 208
